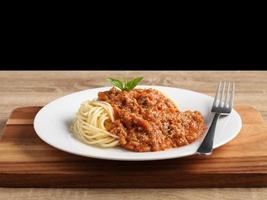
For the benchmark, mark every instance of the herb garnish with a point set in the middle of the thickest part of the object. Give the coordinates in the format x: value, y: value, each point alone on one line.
x: 128, y: 85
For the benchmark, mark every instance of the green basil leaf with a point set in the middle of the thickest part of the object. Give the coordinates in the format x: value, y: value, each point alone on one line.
x: 116, y: 83
x: 132, y: 83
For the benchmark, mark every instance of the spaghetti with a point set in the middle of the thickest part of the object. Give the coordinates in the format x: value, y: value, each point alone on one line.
x: 90, y: 121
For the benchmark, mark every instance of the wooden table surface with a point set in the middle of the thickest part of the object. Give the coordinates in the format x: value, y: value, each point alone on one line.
x: 27, y: 88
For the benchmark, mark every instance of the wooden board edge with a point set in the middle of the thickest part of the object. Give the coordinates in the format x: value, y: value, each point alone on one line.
x: 16, y: 109
x: 185, y: 181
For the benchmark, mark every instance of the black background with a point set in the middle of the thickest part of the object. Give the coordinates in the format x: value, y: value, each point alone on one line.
x: 123, y: 53
x: 41, y: 56
x: 136, y: 39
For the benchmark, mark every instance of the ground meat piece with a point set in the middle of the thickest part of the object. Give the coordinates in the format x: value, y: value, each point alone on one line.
x: 146, y: 120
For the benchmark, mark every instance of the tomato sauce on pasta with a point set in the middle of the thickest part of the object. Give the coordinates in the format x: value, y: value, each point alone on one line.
x: 146, y: 120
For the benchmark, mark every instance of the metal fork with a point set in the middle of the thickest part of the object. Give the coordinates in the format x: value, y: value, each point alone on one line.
x: 222, y: 105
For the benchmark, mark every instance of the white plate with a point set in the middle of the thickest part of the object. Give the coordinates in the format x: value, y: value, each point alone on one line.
x: 53, y: 121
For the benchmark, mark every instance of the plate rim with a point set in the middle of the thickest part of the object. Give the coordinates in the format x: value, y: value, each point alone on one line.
x: 168, y: 156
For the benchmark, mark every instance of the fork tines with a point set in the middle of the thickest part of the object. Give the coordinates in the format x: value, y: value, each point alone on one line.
x: 224, y: 99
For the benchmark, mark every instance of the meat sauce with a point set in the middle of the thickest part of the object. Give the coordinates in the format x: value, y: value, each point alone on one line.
x: 146, y: 120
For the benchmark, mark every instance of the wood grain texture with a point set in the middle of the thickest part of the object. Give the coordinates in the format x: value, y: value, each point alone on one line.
x: 38, y: 88
x: 26, y: 161
x: 133, y: 194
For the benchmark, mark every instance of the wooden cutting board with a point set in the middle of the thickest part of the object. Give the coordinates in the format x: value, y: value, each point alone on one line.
x: 26, y: 161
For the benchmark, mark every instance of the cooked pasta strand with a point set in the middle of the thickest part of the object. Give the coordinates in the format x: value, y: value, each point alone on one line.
x: 88, y: 126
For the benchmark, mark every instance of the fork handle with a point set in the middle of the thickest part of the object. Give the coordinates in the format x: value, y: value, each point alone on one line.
x: 207, y: 144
